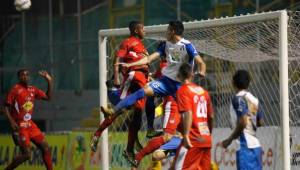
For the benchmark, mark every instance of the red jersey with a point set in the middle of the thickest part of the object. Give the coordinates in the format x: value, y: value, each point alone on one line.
x: 194, y: 98
x: 131, y: 50
x: 22, y: 99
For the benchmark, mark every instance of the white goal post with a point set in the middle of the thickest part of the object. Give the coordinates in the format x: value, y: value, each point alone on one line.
x: 156, y: 32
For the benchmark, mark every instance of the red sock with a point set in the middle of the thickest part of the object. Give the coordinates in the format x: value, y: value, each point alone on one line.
x: 152, y: 145
x: 104, y: 125
x: 47, y: 159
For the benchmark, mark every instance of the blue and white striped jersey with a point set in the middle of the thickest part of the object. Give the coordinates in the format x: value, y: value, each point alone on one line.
x: 244, y: 103
x: 176, y: 54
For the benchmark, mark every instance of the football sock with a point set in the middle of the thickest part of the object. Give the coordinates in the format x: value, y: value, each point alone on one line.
x: 152, y: 145
x: 130, y: 100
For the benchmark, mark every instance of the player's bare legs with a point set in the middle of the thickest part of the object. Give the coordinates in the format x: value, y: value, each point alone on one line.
x: 44, y: 147
x: 133, y: 128
x: 25, y: 155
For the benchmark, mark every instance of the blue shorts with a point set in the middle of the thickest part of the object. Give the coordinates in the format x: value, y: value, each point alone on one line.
x: 171, y: 146
x: 164, y: 86
x: 249, y: 158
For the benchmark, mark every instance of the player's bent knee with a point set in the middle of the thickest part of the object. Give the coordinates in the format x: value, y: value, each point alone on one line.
x: 158, y: 155
x: 148, y: 91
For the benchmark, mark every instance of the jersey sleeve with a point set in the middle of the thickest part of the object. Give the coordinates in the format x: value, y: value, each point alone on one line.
x: 240, y: 106
x: 123, y: 49
x: 161, y: 49
x: 39, y: 94
x: 10, y: 97
x: 191, y: 50
x: 184, y: 101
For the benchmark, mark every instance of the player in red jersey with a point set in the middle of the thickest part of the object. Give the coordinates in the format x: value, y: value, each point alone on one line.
x: 19, y: 107
x: 134, y: 78
x: 195, y: 106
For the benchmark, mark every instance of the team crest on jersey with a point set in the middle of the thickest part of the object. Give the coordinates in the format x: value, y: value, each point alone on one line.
x: 27, y: 117
x: 28, y: 106
x: 175, y: 56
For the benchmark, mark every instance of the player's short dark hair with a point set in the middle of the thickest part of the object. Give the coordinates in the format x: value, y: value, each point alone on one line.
x: 185, y: 71
x: 133, y: 25
x: 241, y: 79
x: 20, y: 71
x: 177, y: 26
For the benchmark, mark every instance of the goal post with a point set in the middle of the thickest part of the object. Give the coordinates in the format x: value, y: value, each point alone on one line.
x: 284, y: 87
x: 266, y: 44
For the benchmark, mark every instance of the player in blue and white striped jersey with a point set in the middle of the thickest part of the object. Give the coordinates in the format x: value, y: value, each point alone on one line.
x: 246, y: 117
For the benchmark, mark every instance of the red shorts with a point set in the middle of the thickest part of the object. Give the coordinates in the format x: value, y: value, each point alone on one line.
x: 172, y: 116
x: 29, y: 132
x: 194, y: 158
x: 134, y: 81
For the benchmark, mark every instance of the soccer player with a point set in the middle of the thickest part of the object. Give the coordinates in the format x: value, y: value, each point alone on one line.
x: 135, y: 77
x: 19, y: 107
x: 196, y: 110
x: 246, y: 116
x: 171, y: 121
x: 176, y: 50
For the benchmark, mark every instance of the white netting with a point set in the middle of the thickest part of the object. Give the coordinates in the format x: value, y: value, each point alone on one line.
x: 249, y: 45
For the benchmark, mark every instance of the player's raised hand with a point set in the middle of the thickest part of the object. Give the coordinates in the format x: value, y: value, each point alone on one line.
x: 45, y: 74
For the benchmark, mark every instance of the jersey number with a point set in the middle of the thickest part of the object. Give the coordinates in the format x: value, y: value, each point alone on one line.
x: 201, y: 108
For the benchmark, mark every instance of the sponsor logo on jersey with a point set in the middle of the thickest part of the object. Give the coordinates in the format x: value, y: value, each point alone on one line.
x: 28, y: 106
x: 197, y: 90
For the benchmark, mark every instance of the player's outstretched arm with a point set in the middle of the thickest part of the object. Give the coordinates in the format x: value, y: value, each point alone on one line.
x: 146, y: 60
x: 242, y: 122
x: 48, y: 78
x: 12, y: 122
x: 201, y: 65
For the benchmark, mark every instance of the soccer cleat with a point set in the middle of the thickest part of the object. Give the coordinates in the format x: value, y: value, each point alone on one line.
x: 107, y: 111
x: 134, y: 163
x: 130, y: 157
x: 153, y: 133
x: 94, y: 143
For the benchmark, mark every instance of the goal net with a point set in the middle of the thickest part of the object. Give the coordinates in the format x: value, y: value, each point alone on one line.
x: 253, y: 42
